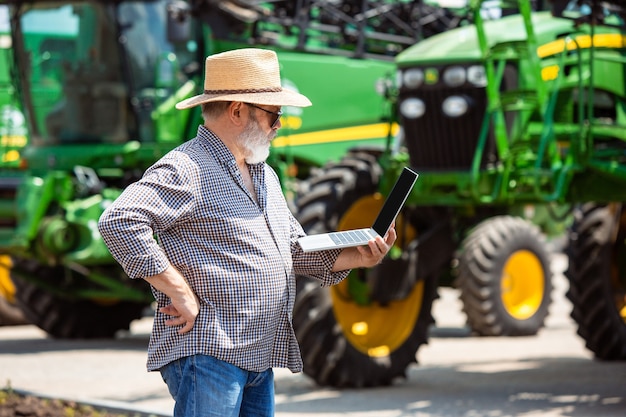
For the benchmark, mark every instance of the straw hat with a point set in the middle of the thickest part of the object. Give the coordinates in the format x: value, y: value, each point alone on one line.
x: 249, y: 75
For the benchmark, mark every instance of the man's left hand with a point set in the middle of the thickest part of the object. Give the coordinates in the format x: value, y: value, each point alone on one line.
x: 366, y: 256
x: 377, y: 249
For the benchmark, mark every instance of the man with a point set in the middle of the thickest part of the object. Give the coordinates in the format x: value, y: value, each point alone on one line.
x: 224, y: 260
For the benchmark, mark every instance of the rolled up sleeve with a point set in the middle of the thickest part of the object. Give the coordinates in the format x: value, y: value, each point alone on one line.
x: 317, y: 265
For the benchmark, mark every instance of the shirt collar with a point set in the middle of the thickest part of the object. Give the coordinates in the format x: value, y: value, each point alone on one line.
x: 215, y: 146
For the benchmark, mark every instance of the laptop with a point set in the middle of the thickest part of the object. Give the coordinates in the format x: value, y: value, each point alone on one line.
x: 357, y: 237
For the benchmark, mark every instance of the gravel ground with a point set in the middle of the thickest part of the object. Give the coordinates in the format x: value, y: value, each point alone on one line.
x: 13, y: 404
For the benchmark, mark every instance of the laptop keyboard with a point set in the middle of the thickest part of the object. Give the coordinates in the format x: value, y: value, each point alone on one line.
x: 349, y: 236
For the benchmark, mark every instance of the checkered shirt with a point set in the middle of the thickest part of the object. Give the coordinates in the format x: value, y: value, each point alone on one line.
x: 240, y: 257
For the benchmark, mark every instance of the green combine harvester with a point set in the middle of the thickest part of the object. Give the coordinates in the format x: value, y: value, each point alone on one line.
x: 501, y: 117
x: 90, y: 88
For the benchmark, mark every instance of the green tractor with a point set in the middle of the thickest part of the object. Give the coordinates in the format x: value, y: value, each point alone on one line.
x: 526, y: 111
x: 97, y: 82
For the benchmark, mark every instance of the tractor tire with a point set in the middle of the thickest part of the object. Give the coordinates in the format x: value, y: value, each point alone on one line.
x: 597, y: 277
x: 505, y: 279
x: 65, y: 317
x: 345, y: 343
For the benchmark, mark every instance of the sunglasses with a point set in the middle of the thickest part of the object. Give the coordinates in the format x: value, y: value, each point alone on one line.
x: 277, y: 114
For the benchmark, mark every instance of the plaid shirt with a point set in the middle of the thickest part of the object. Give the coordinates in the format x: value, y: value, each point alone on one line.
x: 240, y: 257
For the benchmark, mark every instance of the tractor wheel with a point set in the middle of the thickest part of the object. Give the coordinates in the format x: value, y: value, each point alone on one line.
x: 597, y: 277
x: 65, y: 317
x: 10, y: 313
x: 349, y: 335
x: 505, y: 278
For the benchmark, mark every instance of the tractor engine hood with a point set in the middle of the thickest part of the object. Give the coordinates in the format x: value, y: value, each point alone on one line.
x: 461, y: 44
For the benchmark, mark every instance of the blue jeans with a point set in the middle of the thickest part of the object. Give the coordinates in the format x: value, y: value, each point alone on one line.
x: 204, y: 386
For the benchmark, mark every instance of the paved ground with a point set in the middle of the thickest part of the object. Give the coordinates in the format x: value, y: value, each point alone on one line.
x: 547, y: 375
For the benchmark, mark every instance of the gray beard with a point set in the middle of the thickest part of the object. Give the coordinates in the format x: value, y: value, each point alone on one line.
x: 256, y: 144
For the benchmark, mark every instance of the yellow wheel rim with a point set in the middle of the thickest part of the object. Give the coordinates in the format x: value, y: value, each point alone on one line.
x: 375, y: 330
x: 7, y: 289
x: 522, y: 284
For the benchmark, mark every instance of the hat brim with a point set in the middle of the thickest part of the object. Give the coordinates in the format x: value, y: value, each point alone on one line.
x: 285, y: 97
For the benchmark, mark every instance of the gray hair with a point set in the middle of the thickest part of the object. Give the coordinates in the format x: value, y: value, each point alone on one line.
x: 214, y: 109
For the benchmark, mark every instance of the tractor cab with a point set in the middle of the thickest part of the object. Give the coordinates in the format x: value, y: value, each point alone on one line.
x: 96, y: 72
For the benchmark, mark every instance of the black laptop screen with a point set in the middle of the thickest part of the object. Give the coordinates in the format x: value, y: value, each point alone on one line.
x: 395, y: 200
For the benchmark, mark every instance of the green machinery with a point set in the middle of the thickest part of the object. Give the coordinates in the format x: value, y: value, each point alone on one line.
x: 524, y: 111
x: 12, y: 139
x: 96, y: 83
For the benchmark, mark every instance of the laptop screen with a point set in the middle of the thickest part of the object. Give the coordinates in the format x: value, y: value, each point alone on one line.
x: 395, y: 200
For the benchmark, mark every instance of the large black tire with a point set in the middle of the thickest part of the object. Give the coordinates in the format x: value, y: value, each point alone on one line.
x: 505, y: 280
x: 66, y: 317
x: 597, y: 276
x: 328, y: 321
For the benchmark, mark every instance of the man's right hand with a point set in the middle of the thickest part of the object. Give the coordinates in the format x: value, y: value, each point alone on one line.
x: 185, y: 317
x: 185, y: 305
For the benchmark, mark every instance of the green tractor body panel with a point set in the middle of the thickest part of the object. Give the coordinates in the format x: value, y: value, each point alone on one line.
x: 461, y: 45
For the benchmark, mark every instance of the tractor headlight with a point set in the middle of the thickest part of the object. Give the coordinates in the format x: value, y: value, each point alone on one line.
x: 476, y: 76
x: 455, y: 106
x: 413, y: 78
x: 412, y: 108
x: 454, y: 76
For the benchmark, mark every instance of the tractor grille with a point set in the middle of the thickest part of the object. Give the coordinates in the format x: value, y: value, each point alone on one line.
x: 438, y: 142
